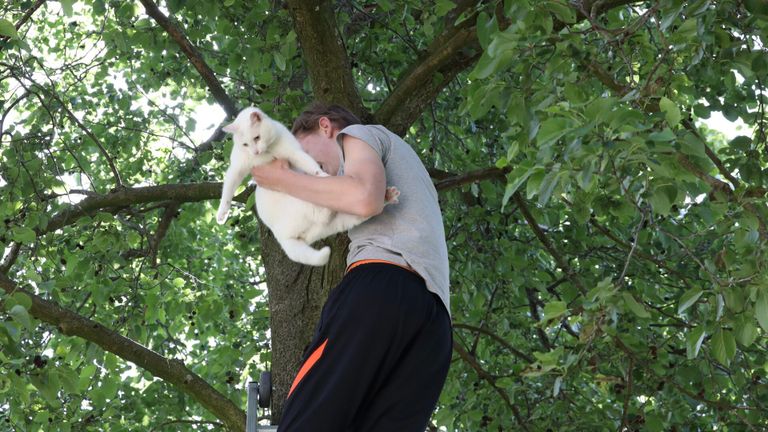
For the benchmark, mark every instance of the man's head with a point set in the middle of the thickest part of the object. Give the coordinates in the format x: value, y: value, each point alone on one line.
x: 316, y: 129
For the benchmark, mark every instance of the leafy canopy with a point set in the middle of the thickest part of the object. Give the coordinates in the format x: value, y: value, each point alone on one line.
x: 608, y: 265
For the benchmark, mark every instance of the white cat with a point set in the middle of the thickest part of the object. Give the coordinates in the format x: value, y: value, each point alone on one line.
x: 296, y: 224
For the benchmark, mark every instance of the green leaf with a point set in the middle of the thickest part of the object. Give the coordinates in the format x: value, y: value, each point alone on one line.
x: 19, y: 298
x: 694, y: 339
x: 8, y: 29
x: 662, y: 197
x: 671, y: 111
x: 534, y: 184
x: 604, y: 289
x: 563, y: 12
x: 548, y: 184
x: 552, y: 129
x: 554, y: 310
x: 86, y: 375
x: 746, y: 331
x: 693, y: 146
x: 23, y: 235
x: 99, y: 7
x: 68, y: 378
x: 486, y: 26
x: 757, y: 7
x: 488, y: 64
x: 585, y: 176
x: 688, y: 299
x: 47, y: 385
x: 734, y: 298
x: 633, y: 305
x: 66, y: 6
x: 663, y: 136
x: 556, y: 388
x: 279, y: 61
x: 519, y: 175
x: 761, y: 308
x: 723, y: 346
x: 12, y: 330
x: 20, y: 315
x: 443, y: 7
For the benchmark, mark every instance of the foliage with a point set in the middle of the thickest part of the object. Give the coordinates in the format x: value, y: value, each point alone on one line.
x: 608, y: 268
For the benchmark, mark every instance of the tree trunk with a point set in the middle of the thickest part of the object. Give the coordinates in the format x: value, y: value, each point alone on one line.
x: 296, y: 297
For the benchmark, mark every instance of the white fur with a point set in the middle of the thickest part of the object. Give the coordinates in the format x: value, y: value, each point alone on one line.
x: 295, y: 223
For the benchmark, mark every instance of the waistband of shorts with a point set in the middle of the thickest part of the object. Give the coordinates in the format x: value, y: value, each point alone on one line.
x: 378, y: 261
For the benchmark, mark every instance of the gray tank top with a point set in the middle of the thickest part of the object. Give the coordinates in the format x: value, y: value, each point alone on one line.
x: 408, y: 233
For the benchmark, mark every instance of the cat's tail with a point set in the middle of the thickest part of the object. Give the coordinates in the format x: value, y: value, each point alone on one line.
x: 301, y: 252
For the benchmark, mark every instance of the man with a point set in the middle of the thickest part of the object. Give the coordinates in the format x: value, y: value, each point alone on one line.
x: 381, y: 351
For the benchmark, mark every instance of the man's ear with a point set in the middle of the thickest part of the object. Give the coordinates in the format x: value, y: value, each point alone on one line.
x: 256, y: 117
x: 230, y: 128
x: 326, y: 126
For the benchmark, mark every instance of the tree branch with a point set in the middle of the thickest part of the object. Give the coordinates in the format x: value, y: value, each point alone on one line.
x: 652, y: 106
x: 173, y: 371
x: 330, y: 71
x: 11, y: 258
x: 81, y: 126
x: 181, y: 193
x: 451, y: 52
x: 561, y: 262
x: 519, y: 354
x: 162, y: 228
x: 534, y: 308
x: 482, y: 373
x: 27, y: 15
x: 193, y: 55
x: 189, y: 422
x: 470, y: 177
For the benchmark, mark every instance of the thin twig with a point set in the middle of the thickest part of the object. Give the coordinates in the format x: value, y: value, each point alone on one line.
x: 521, y: 355
x: 482, y: 373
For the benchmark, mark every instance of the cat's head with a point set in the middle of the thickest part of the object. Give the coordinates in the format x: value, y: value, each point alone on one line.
x: 251, y: 131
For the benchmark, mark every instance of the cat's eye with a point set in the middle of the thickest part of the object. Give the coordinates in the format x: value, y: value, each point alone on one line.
x: 245, y: 144
x: 256, y: 139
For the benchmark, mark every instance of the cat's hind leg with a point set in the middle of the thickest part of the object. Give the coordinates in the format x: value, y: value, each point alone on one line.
x: 391, y: 195
x: 301, y: 252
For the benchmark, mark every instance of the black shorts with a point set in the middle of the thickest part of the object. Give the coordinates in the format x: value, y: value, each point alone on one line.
x: 378, y: 359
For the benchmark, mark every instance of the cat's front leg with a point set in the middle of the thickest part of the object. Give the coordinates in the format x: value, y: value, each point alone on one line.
x: 305, y: 163
x: 232, y: 179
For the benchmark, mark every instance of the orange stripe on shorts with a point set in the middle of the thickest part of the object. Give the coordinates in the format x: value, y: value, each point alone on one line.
x: 379, y: 261
x: 313, y: 358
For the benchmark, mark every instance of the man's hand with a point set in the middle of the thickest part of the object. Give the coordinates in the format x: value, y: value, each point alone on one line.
x: 273, y: 175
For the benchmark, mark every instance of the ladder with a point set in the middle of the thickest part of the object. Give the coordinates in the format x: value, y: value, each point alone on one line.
x: 259, y: 396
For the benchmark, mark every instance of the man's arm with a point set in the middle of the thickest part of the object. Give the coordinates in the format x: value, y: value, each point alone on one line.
x: 360, y: 191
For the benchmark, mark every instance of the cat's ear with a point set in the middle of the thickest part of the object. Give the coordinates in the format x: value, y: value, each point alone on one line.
x: 256, y: 117
x: 230, y: 128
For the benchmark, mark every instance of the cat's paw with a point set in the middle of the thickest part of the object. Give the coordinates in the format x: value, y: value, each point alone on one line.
x: 221, y: 216
x: 321, y: 173
x: 391, y: 195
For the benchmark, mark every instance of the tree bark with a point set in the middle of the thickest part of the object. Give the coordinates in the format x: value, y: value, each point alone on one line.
x: 296, y: 297
x: 326, y: 59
